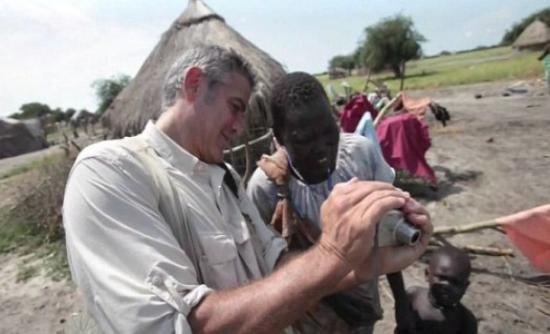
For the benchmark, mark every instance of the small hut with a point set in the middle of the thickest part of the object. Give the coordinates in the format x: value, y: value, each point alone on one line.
x: 535, y: 36
x: 337, y: 73
x: 19, y: 137
x: 140, y: 101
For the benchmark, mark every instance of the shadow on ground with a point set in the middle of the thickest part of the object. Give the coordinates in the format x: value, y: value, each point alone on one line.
x: 448, y: 183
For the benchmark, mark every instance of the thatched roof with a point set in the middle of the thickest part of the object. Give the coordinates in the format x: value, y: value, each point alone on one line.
x: 18, y: 137
x: 537, y: 34
x: 141, y: 99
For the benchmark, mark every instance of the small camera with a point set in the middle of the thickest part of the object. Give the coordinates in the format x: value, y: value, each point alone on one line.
x: 395, y: 230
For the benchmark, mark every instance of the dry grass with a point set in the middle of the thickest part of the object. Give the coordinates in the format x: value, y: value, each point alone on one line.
x: 34, y: 223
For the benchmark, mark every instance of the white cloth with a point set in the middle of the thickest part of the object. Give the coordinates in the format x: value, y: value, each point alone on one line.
x: 127, y: 261
x: 357, y: 157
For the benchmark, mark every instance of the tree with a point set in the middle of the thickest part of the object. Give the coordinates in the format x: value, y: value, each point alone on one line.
x: 106, y: 90
x: 511, y: 35
x: 32, y: 110
x: 390, y: 43
x: 345, y: 62
x: 58, y: 115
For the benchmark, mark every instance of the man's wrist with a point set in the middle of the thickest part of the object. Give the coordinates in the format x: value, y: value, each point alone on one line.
x: 332, y: 263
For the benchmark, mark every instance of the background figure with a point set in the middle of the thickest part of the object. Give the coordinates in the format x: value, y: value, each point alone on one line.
x: 437, y: 309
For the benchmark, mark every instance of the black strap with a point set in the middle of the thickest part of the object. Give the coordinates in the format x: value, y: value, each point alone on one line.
x: 229, y: 180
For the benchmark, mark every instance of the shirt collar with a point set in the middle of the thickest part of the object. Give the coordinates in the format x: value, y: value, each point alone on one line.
x: 180, y: 158
x: 169, y: 149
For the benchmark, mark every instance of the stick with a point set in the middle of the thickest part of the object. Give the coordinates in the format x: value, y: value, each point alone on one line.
x: 493, y: 251
x: 252, y: 142
x: 466, y: 228
x: 386, y: 110
x: 480, y: 250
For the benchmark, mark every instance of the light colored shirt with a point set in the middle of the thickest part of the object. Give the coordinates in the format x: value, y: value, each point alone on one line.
x: 127, y: 260
x: 357, y: 157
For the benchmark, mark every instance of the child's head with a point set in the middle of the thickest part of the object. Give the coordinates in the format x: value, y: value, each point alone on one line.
x: 304, y: 125
x: 448, y: 274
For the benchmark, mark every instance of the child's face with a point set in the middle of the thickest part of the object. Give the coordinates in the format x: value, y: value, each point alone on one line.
x: 447, y: 282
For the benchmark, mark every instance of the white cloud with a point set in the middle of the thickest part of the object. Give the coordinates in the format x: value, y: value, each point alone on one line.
x: 55, y: 50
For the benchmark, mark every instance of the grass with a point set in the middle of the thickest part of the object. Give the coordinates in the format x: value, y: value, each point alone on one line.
x: 17, y: 235
x: 489, y: 65
x: 34, y: 225
x: 49, y: 160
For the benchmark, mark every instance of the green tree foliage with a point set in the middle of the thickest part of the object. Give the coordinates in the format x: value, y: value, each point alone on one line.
x: 58, y: 115
x: 106, y: 90
x: 390, y: 43
x: 513, y: 33
x: 345, y: 62
x: 32, y: 110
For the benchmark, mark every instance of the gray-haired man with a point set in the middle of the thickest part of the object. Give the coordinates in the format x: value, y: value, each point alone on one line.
x: 161, y: 240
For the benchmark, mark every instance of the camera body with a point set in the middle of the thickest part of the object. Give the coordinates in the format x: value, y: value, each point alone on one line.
x: 395, y: 230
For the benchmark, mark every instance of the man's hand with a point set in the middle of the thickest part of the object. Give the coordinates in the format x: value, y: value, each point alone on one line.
x: 395, y: 258
x: 349, y: 215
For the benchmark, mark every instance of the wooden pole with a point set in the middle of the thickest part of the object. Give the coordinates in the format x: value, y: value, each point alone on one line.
x: 466, y: 228
x: 480, y: 250
x: 386, y: 109
x: 403, y: 67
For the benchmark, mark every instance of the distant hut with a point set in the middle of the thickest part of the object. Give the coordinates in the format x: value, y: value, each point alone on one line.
x: 19, y: 137
x: 337, y: 73
x: 141, y: 99
x: 535, y: 36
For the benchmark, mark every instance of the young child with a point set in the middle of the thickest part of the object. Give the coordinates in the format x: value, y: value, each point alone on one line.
x: 438, y: 309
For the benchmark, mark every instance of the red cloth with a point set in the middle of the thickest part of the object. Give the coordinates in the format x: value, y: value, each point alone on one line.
x: 404, y: 140
x: 354, y: 110
x: 530, y: 232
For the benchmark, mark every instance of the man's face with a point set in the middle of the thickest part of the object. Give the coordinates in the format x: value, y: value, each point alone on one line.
x: 447, y: 282
x: 221, y: 112
x: 311, y: 139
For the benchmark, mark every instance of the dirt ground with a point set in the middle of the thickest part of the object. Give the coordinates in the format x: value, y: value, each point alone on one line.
x: 493, y: 159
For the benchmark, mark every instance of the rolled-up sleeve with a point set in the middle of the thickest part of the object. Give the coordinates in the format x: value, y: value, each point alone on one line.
x: 133, y: 274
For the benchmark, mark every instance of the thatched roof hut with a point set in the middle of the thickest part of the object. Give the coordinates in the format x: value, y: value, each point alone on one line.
x: 141, y: 99
x: 19, y: 137
x: 535, y: 36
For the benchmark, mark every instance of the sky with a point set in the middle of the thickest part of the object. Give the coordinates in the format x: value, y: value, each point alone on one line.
x: 53, y: 50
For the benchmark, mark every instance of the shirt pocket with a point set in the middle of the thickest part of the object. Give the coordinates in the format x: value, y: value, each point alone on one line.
x: 218, y: 261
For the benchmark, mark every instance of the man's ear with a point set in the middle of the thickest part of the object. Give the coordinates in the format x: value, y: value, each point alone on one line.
x: 191, y: 83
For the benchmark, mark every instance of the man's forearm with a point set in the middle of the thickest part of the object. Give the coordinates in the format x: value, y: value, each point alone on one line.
x: 271, y: 304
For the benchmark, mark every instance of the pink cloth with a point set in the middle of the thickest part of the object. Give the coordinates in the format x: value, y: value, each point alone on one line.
x: 354, y: 110
x: 404, y: 140
x: 416, y: 107
x: 529, y: 231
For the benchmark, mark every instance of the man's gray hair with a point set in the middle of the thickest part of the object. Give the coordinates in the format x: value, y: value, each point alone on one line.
x: 213, y: 60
